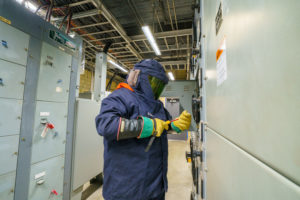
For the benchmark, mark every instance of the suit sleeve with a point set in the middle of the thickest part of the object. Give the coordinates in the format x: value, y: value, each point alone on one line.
x: 113, y: 124
x: 113, y: 108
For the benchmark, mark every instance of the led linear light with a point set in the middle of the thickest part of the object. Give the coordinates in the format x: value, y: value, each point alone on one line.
x: 118, y: 66
x: 30, y: 6
x: 170, y: 74
x: 151, y: 40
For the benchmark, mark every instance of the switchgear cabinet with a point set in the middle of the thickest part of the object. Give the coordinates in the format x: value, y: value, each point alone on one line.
x: 13, y: 58
x: 38, y: 78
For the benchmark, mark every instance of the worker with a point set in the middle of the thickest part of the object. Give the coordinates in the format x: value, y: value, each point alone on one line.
x: 127, y: 120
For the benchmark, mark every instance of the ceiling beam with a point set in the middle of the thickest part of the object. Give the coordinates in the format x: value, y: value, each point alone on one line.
x: 116, y: 24
x: 90, y: 25
x: 79, y: 3
x: 165, y: 34
x: 175, y: 49
x: 79, y: 15
x: 99, y: 32
x: 177, y: 62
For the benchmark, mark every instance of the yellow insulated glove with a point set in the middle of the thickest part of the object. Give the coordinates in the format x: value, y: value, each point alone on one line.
x: 182, y: 123
x: 160, y: 126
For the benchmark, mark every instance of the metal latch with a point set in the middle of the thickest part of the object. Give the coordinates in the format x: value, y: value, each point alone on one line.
x: 1, y: 82
x: 4, y: 43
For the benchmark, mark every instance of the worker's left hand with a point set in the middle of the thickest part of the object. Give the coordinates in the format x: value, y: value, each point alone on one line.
x: 160, y: 126
x: 182, y: 123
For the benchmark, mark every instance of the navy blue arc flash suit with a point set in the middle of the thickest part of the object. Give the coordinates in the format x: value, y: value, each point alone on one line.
x: 130, y: 173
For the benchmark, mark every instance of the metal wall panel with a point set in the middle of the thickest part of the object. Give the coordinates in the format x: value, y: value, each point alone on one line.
x: 54, y: 78
x: 184, y: 91
x: 10, y: 116
x: 233, y: 174
x: 257, y: 107
x: 53, y: 144
x: 88, y: 146
x: 45, y: 177
x: 7, y: 184
x: 9, y: 153
x: 12, y: 80
x: 14, y: 44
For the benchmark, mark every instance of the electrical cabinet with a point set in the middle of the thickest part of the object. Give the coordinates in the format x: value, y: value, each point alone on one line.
x: 12, y: 80
x: 253, y: 98
x: 7, y: 184
x: 14, y: 44
x: 46, y: 179
x: 88, y: 145
x: 182, y: 90
x: 10, y: 116
x: 38, y: 74
x: 54, y: 77
x: 9, y: 153
x: 53, y: 142
x: 234, y: 174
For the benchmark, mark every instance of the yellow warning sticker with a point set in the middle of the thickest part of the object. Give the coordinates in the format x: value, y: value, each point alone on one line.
x: 5, y: 20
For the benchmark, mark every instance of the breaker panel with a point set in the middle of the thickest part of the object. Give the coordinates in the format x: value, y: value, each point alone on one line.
x: 54, y: 77
x: 46, y: 179
x: 50, y: 130
x: 38, y: 74
x: 13, y: 58
x: 50, y: 124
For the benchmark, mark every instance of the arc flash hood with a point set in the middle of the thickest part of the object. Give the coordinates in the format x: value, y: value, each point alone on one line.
x: 153, y: 73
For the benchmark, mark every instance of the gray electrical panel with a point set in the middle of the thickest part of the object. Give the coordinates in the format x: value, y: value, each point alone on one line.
x: 45, y: 178
x: 88, y: 148
x: 13, y: 58
x: 178, y: 98
x: 7, y: 185
x: 249, y: 82
x: 54, y: 78
x: 38, y: 78
x: 10, y: 116
x: 53, y: 143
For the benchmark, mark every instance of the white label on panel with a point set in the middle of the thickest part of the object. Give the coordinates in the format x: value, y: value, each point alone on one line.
x: 221, y: 63
x: 44, y: 114
x: 39, y: 175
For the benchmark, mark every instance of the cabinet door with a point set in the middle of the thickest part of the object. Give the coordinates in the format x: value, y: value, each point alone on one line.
x: 10, y: 116
x: 9, y: 153
x: 54, y: 77
x: 7, y: 184
x: 45, y: 177
x: 53, y: 144
x: 12, y: 79
x: 13, y: 44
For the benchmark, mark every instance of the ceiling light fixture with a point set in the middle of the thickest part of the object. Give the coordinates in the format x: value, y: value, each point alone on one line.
x: 118, y: 66
x: 30, y: 6
x: 170, y: 74
x: 151, y: 40
x: 20, y: 1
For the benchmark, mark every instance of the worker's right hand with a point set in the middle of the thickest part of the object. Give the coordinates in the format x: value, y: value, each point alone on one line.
x: 182, y: 123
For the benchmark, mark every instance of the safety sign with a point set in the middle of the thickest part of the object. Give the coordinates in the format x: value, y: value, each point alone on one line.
x: 221, y: 63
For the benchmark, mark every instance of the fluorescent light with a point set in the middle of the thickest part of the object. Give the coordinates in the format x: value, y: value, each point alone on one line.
x: 30, y: 6
x: 151, y: 40
x: 170, y: 74
x: 20, y: 1
x: 118, y: 66
x: 72, y: 34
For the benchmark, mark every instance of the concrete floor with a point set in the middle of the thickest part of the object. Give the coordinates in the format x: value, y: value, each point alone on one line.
x: 179, y: 174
